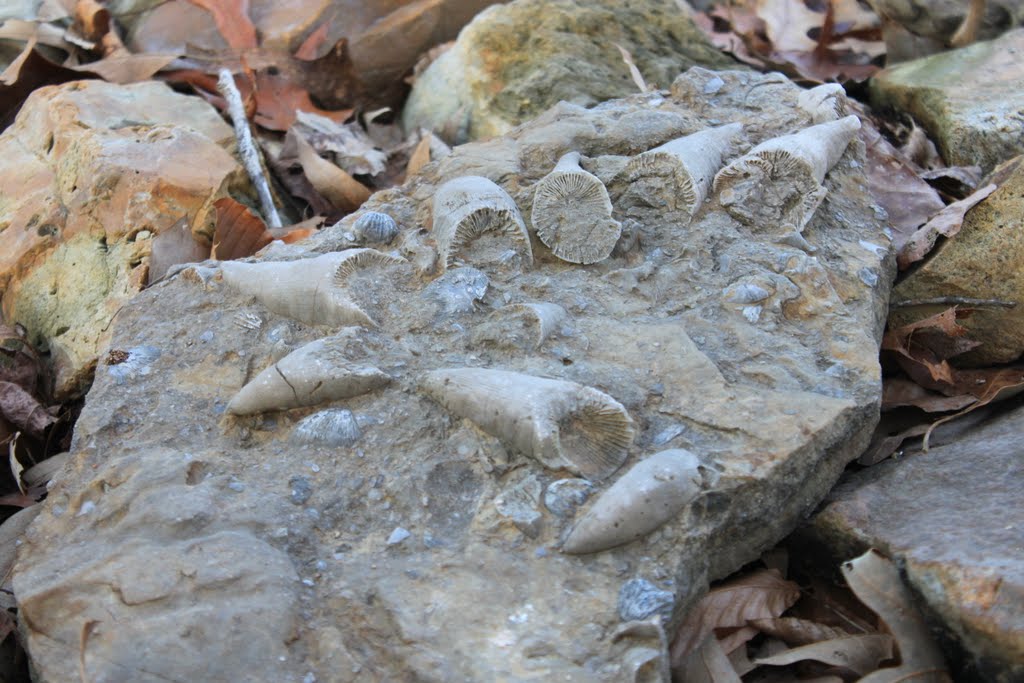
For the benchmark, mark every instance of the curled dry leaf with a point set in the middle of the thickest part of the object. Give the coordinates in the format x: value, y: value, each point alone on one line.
x: 172, y: 246
x: 22, y: 410
x: 797, y: 631
x: 233, y: 22
x: 239, y: 231
x: 876, y: 581
x: 946, y: 222
x: 861, y: 654
x: 19, y: 362
x: 334, y: 184
x: 419, y: 158
x: 762, y: 594
x: 706, y: 664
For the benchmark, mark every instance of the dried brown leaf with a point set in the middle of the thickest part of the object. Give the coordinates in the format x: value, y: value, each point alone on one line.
x: 124, y: 68
x: 991, y: 385
x: 309, y: 50
x: 232, y: 19
x: 860, y: 654
x: 946, y: 222
x: 278, y: 99
x: 923, y: 347
x: 706, y: 664
x: 337, y: 186
x: 19, y: 361
x: 22, y: 410
x: 172, y: 246
x: 898, y: 392
x: 239, y: 231
x: 419, y: 158
x: 876, y: 581
x: 764, y: 593
x: 797, y: 631
x: 29, y: 71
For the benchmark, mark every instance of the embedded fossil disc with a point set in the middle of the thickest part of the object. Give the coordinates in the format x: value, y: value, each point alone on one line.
x: 572, y: 213
x: 467, y: 208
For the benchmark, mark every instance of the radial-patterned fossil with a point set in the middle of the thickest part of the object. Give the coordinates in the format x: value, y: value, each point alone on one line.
x: 469, y: 207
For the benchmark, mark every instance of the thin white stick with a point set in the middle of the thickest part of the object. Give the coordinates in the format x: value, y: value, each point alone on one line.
x: 246, y: 148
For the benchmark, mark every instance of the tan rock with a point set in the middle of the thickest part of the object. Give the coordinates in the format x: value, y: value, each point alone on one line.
x: 984, y: 261
x: 90, y: 172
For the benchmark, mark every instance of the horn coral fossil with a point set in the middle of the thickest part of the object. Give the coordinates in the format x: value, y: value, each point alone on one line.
x: 826, y: 102
x: 678, y: 174
x: 572, y: 213
x: 315, y: 373
x: 359, y: 259
x: 779, y: 181
x: 303, y: 290
x: 653, y: 491
x: 520, y: 325
x: 561, y: 424
x: 468, y: 207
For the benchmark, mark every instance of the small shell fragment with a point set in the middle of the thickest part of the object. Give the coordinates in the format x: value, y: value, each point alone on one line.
x: 315, y: 373
x: 652, y: 492
x: 572, y: 213
x: 678, y: 174
x: 467, y: 208
x: 561, y: 424
x: 779, y: 182
x: 374, y: 227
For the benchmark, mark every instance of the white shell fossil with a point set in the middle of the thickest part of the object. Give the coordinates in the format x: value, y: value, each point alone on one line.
x: 572, y: 213
x: 520, y: 325
x: 653, y: 491
x: 303, y: 290
x: 826, y: 102
x: 561, y: 424
x: 315, y: 373
x: 779, y: 181
x: 375, y: 227
x: 678, y: 174
x: 467, y: 208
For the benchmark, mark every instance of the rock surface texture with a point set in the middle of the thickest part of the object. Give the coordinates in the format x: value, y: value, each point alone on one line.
x: 984, y: 261
x: 971, y: 100
x: 514, y: 61
x: 90, y: 174
x: 952, y: 518
x: 511, y: 396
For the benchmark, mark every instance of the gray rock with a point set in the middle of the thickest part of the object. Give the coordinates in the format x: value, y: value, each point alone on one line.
x: 640, y: 599
x: 969, y: 100
x: 540, y: 52
x: 471, y: 602
x: 952, y: 518
x: 565, y: 495
x: 335, y: 427
x: 520, y: 503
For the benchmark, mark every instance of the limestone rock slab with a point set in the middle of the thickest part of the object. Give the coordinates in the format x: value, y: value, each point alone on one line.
x: 514, y: 61
x: 983, y: 261
x: 90, y: 173
x: 971, y: 100
x: 952, y: 518
x: 427, y: 544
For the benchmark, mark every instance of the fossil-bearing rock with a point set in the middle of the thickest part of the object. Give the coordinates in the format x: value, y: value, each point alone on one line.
x: 698, y: 333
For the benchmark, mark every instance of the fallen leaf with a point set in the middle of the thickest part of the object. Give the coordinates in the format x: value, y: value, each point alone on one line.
x: 279, y: 99
x: 989, y: 386
x: 908, y: 201
x: 337, y: 186
x: 899, y: 392
x: 923, y: 347
x: 732, y: 639
x: 419, y: 158
x: 172, y: 246
x: 861, y: 654
x: 19, y: 361
x: 232, y: 19
x: 797, y: 631
x: 876, y: 581
x: 29, y: 71
x: 706, y: 664
x: 764, y: 593
x: 309, y: 50
x: 351, y: 148
x: 16, y: 467
x: 299, y: 231
x: 127, y: 68
x: 946, y: 222
x: 634, y: 72
x: 22, y: 410
x: 239, y: 231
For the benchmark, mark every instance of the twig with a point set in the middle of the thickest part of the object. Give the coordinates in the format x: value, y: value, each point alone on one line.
x: 246, y: 148
x: 954, y: 301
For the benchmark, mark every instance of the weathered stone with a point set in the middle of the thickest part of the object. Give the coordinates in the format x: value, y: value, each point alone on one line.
x: 479, y: 589
x: 90, y: 173
x: 938, y: 20
x: 971, y: 100
x: 984, y: 261
x: 952, y: 517
x: 514, y: 61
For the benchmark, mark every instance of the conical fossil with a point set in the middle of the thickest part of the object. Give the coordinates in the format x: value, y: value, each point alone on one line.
x: 652, y: 492
x: 561, y: 424
x: 826, y: 102
x: 524, y: 326
x: 468, y: 207
x: 572, y: 213
x: 678, y: 174
x: 315, y: 373
x: 779, y: 181
x: 303, y: 290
